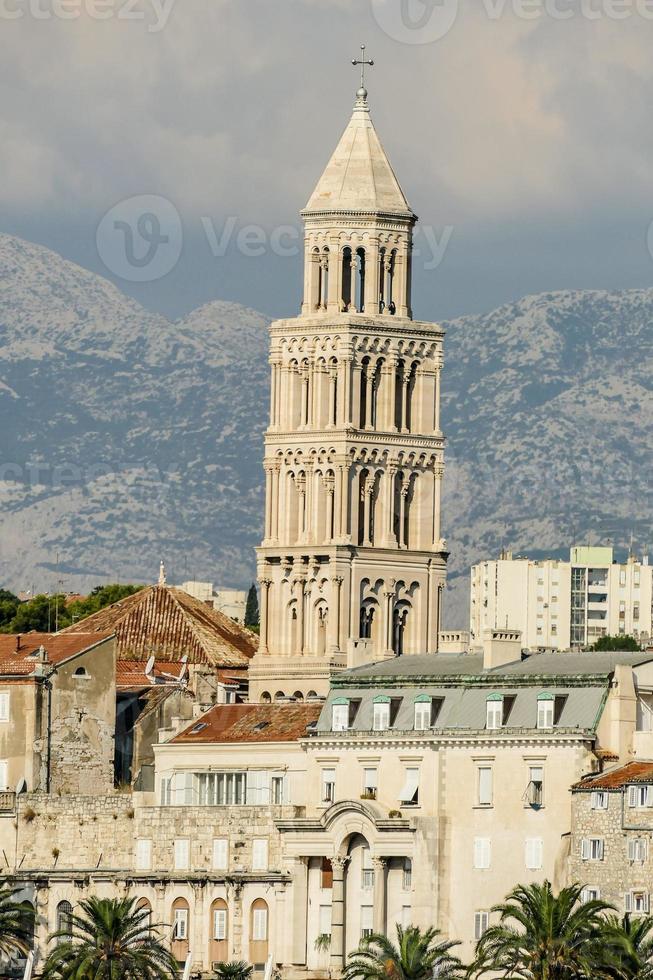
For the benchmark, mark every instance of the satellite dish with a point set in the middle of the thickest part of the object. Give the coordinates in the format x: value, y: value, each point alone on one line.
x: 149, y: 666
x: 184, y: 659
x: 184, y: 670
x: 21, y: 786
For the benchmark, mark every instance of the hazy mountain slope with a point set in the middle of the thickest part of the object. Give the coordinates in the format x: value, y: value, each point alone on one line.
x: 125, y: 438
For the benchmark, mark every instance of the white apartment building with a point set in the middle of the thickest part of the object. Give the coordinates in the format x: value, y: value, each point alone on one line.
x: 230, y: 602
x: 562, y: 604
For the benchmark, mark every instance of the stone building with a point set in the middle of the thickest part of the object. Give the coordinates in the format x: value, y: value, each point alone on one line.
x: 352, y: 562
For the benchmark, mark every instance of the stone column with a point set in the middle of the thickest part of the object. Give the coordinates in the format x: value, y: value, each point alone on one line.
x: 265, y: 589
x: 298, y: 922
x: 332, y: 407
x: 372, y: 279
x: 299, y: 595
x: 438, y: 473
x: 388, y: 608
x: 335, y: 278
x: 404, y: 399
x: 389, y: 503
x: 198, y: 944
x: 379, y: 864
x: 368, y: 490
x: 268, y: 502
x: 338, y: 865
x: 300, y: 484
x: 330, y: 513
x: 273, y: 394
x: 369, y: 396
x: 344, y: 502
x: 347, y: 386
x: 276, y: 476
x: 334, y: 618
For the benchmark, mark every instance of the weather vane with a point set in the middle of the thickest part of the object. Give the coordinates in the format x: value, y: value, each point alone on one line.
x: 362, y: 62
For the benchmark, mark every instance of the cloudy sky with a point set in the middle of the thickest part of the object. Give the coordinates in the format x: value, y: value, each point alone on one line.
x: 520, y: 130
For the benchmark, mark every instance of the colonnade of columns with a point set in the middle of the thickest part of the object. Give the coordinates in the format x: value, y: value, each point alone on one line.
x: 371, y: 277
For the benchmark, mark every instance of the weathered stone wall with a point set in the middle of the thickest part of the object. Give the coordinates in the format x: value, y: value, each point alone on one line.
x: 615, y: 874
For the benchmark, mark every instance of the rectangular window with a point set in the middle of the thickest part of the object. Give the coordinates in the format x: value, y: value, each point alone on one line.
x: 637, y: 902
x: 481, y: 923
x: 406, y: 916
x: 180, y: 928
x: 494, y: 717
x: 485, y: 786
x: 219, y: 924
x: 533, y: 853
x: 640, y: 796
x: 143, y: 854
x: 260, y: 854
x: 340, y: 717
x: 545, y: 713
x: 367, y: 870
x: 370, y: 783
x: 535, y: 794
x: 260, y: 925
x: 622, y: 577
x: 422, y: 715
x: 590, y: 895
x: 381, y: 719
x: 328, y: 785
x: 637, y: 850
x: 324, y: 926
x: 4, y: 775
x: 166, y: 791
x: 592, y: 849
x: 326, y: 874
x: 367, y: 921
x: 220, y: 854
x: 277, y: 793
x: 635, y: 610
x: 599, y: 800
x: 482, y: 853
x: 409, y: 795
x: 182, y: 854
x: 407, y: 878
x: 4, y: 705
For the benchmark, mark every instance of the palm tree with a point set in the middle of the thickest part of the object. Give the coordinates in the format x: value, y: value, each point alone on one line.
x: 110, y: 940
x: 16, y: 924
x: 235, y: 970
x: 542, y: 936
x: 629, y: 947
x: 417, y: 956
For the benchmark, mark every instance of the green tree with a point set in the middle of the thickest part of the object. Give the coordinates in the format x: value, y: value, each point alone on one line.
x: 8, y: 605
x: 543, y: 936
x: 110, y: 940
x: 628, y: 643
x: 42, y: 613
x: 251, y: 609
x: 418, y: 955
x: 629, y: 947
x: 101, y: 596
x: 16, y: 924
x: 235, y: 970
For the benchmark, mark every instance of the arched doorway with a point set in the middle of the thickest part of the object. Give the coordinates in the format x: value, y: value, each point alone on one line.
x: 219, y: 926
x: 180, y: 929
x: 144, y: 907
x: 359, y: 893
x: 259, y: 927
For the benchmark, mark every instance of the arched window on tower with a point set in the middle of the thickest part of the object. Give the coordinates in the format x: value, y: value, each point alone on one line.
x: 323, y: 291
x: 346, y: 295
x: 382, y: 284
x: 391, y: 265
x: 366, y: 620
x: 360, y: 280
x: 399, y: 622
x: 411, y: 385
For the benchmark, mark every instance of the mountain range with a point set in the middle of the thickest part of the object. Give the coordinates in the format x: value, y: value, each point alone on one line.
x: 127, y: 438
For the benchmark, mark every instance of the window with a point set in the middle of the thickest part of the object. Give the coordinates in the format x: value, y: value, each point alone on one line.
x: 590, y: 895
x: 367, y: 921
x: 367, y: 870
x: 599, y: 800
x: 640, y: 796
x: 635, y: 610
x: 637, y: 902
x: 166, y: 791
x: 545, y: 710
x: 406, y: 916
x: 324, y: 926
x: 260, y: 854
x: 64, y: 917
x: 370, y: 783
x: 485, y: 786
x: 482, y: 853
x: 182, y: 857
x: 219, y: 924
x: 407, y: 878
x: 328, y: 785
x: 381, y: 714
x: 326, y: 873
x: 494, y: 717
x: 637, y: 849
x: 533, y: 853
x: 81, y: 672
x: 409, y: 795
x: 422, y: 714
x: 228, y: 788
x: 260, y: 925
x: 591, y: 849
x: 622, y: 577
x: 143, y: 854
x: 534, y: 795
x: 340, y: 715
x: 4, y: 705
x: 220, y: 854
x: 481, y: 923
x: 4, y: 775
x: 180, y: 925
x: 277, y: 792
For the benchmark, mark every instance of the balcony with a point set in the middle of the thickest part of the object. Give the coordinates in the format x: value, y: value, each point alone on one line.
x: 7, y: 802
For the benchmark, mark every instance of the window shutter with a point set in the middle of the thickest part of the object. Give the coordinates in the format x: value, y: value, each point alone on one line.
x: 585, y: 849
x: 628, y: 902
x: 181, y: 854
x: 601, y: 846
x: 220, y: 854
x: 259, y: 854
x: 260, y: 925
x: 647, y: 903
x: 485, y: 786
x: 4, y: 705
x: 220, y: 924
x: 631, y: 850
x: 143, y: 854
x: 534, y: 853
x: 632, y: 795
x: 482, y: 853
x: 649, y: 795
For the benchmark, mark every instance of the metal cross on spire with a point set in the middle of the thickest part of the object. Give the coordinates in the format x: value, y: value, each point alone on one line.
x: 363, y: 62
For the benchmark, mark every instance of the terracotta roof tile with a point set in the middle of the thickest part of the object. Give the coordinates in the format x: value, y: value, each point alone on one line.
x: 251, y: 723
x: 59, y: 647
x: 616, y: 779
x: 169, y: 623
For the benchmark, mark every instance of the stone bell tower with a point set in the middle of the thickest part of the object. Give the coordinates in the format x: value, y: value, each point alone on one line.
x: 352, y: 566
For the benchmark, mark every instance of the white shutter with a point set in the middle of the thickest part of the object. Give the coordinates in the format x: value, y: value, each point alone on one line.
x: 182, y: 854
x: 4, y: 774
x: 585, y: 849
x: 260, y: 925
x: 633, y: 795
x: 485, y: 786
x: 219, y: 924
x: 259, y: 854
x: 367, y: 920
x: 628, y: 902
x: 482, y: 853
x: 533, y: 853
x: 647, y: 903
x: 325, y: 920
x: 143, y: 854
x: 181, y: 924
x: 220, y: 854
x: 410, y: 788
x: 601, y: 847
x: 4, y: 705
x: 649, y: 795
x: 481, y: 923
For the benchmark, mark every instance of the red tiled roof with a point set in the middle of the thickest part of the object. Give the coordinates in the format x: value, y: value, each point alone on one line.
x: 633, y: 772
x: 59, y: 647
x: 251, y: 723
x: 168, y: 623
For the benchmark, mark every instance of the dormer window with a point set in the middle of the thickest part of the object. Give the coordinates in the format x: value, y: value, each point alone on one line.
x: 545, y: 710
x: 381, y: 719
x: 343, y: 713
x: 427, y: 710
x: 494, y: 712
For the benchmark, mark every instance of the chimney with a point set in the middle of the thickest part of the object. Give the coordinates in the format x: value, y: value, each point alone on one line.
x: 501, y: 647
x: 43, y: 654
x: 18, y: 639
